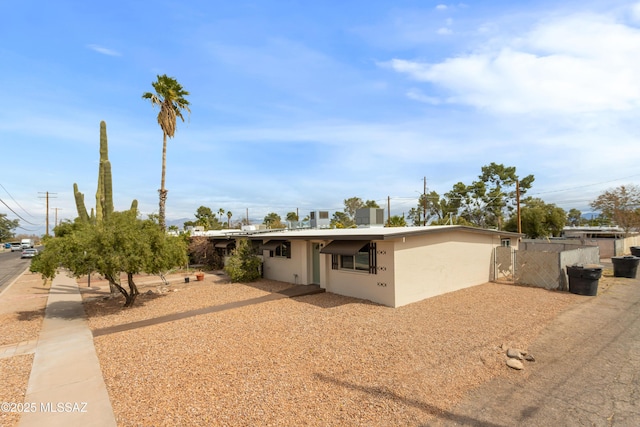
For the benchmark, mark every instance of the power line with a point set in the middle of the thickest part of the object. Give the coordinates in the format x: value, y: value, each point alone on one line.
x: 16, y: 214
x: 16, y: 201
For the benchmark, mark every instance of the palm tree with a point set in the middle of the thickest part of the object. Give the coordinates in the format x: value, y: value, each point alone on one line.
x: 220, y: 213
x: 170, y: 98
x: 229, y: 215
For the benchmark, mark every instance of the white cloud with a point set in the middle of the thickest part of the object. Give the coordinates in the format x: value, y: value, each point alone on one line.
x: 416, y: 94
x: 635, y: 12
x: 104, y: 50
x: 441, y: 7
x: 582, y: 63
x: 444, y: 31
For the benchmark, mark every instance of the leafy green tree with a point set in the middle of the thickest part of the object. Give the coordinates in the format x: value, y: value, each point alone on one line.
x: 490, y: 199
x: 468, y: 202
x: 396, y: 221
x: 243, y: 265
x: 351, y: 205
x: 7, y: 227
x: 620, y: 206
x: 539, y: 219
x: 574, y: 218
x: 498, y: 192
x: 417, y: 215
x: 341, y: 220
x: 206, y: 218
x: 273, y: 220
x: 120, y: 244
x: 438, y: 209
x: 169, y: 96
x: 72, y: 248
x: 292, y: 216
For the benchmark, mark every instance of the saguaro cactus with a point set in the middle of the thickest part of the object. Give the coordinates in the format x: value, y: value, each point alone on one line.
x: 82, y: 209
x: 104, y: 193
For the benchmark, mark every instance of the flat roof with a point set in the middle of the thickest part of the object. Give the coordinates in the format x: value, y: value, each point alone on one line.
x: 367, y: 233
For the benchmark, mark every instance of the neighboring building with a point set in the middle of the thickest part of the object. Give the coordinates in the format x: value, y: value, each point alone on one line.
x: 389, y: 266
x: 593, y: 232
x: 612, y: 241
x: 319, y: 219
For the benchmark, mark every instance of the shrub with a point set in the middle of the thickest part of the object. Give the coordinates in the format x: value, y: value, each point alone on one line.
x: 243, y: 265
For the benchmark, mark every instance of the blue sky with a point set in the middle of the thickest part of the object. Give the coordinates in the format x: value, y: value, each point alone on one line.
x: 300, y: 105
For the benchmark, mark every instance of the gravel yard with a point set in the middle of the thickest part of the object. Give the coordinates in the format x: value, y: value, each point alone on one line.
x: 324, y: 360
x: 21, y: 314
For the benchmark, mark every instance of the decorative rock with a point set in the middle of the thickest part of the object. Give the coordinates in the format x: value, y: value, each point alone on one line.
x: 514, y: 354
x: 529, y: 358
x: 515, y: 364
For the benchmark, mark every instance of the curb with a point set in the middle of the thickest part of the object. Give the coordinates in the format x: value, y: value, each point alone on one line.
x: 13, y: 282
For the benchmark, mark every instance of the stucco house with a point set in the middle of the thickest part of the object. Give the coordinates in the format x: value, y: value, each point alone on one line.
x: 390, y: 266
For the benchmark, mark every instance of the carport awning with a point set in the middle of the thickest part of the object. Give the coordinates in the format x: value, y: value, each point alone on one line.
x: 224, y: 244
x: 344, y: 247
x: 271, y: 245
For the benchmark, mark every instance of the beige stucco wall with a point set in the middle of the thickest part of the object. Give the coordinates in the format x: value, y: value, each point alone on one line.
x: 434, y: 264
x: 290, y: 270
x: 378, y: 287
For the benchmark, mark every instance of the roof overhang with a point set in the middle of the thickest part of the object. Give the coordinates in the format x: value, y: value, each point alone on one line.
x: 271, y: 245
x: 224, y: 244
x: 343, y: 247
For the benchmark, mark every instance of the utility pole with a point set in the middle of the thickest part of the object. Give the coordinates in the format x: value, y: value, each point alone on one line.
x: 518, y: 206
x: 424, y: 194
x: 56, y: 221
x: 47, y: 195
x: 388, y: 211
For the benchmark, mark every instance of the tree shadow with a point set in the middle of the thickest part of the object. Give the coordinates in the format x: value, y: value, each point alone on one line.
x: 27, y: 316
x: 104, y: 304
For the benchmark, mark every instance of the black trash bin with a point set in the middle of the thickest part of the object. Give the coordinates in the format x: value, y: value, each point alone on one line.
x: 635, y: 250
x: 625, y: 266
x: 583, y: 280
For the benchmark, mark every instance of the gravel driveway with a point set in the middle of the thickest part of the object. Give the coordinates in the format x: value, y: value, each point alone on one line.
x: 319, y: 360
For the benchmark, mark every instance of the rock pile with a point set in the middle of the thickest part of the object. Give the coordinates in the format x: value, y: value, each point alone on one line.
x: 515, y: 358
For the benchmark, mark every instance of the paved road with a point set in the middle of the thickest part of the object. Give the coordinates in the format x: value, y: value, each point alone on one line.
x: 10, y: 267
x: 587, y: 371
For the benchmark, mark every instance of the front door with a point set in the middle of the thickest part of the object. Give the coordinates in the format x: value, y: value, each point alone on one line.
x: 315, y: 263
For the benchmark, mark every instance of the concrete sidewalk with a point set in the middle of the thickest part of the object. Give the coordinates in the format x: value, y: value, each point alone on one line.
x: 66, y: 387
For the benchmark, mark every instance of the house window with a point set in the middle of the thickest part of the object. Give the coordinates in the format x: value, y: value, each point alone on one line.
x: 277, y: 248
x: 359, y: 261
x: 362, y: 258
x: 505, y: 242
x: 283, y: 250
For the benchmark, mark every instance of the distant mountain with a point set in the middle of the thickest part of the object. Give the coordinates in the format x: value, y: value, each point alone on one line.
x: 178, y: 222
